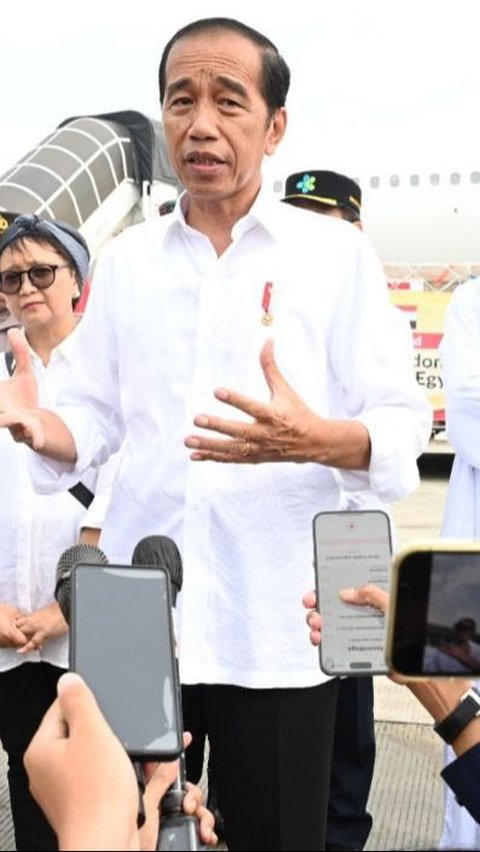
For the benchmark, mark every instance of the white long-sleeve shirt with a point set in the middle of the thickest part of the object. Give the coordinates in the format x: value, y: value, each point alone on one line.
x: 34, y: 528
x: 460, y: 352
x: 167, y: 323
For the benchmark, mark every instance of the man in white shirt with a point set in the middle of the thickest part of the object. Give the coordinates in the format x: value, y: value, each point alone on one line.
x: 203, y: 293
x: 460, y: 353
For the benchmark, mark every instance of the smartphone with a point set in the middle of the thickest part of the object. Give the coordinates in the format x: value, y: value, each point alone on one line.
x: 434, y: 622
x: 351, y: 549
x: 121, y: 642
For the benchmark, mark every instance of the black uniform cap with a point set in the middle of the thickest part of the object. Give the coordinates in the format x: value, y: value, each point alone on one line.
x: 329, y: 188
x: 6, y: 220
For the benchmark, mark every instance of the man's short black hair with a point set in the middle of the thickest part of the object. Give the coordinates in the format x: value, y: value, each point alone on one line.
x: 465, y: 624
x: 275, y: 71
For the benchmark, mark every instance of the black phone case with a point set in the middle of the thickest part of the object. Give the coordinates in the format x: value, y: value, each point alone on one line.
x: 128, y: 672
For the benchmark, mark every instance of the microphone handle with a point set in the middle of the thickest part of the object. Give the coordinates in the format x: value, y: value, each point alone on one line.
x: 178, y: 831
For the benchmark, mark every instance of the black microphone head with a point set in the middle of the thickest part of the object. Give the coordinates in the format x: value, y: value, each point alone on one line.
x: 78, y: 553
x: 161, y: 551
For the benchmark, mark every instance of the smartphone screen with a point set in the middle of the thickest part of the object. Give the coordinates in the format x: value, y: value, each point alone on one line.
x: 435, y: 626
x: 121, y: 642
x: 351, y: 549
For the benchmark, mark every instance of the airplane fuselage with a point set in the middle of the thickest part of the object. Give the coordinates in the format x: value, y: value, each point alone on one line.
x: 419, y: 218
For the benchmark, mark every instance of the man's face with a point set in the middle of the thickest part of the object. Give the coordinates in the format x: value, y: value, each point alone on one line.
x: 215, y: 118
x: 464, y: 633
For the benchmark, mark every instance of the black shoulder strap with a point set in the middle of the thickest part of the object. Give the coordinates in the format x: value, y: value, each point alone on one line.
x: 82, y: 493
x: 79, y: 491
x: 10, y: 362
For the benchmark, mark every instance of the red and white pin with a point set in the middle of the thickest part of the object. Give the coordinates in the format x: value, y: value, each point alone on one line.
x: 267, y: 317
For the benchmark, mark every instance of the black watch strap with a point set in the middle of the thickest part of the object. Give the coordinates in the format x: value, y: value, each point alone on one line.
x: 456, y: 721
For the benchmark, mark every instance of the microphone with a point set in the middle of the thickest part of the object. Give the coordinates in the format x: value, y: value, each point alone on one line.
x: 74, y: 555
x: 178, y: 831
x: 162, y: 552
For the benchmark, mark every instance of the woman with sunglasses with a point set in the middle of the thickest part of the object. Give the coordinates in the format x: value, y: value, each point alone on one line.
x: 43, y: 265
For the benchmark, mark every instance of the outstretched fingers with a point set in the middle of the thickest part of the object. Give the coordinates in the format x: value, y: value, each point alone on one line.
x: 237, y: 452
x: 255, y: 409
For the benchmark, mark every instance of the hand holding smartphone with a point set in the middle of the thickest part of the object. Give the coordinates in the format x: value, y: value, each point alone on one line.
x: 434, y: 624
x: 351, y: 549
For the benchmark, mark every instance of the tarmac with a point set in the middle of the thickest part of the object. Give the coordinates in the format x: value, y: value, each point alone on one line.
x: 406, y: 799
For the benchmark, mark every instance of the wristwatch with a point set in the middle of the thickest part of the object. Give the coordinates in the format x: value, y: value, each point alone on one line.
x: 469, y: 707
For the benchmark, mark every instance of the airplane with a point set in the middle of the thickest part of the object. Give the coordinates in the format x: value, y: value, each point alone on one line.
x: 429, y: 218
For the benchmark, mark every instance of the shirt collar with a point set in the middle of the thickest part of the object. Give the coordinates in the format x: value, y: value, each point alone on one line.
x: 263, y: 213
x: 62, y: 350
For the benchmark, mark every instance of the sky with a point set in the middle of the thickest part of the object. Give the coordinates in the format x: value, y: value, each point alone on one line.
x: 454, y: 593
x: 376, y: 85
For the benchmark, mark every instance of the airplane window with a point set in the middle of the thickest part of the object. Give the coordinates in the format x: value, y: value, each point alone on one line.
x: 414, y: 180
x: 434, y: 179
x: 394, y: 180
x: 374, y: 182
x: 475, y: 177
x: 455, y: 177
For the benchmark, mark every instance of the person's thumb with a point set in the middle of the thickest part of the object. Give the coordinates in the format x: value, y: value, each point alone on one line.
x: 273, y: 376
x: 20, y: 350
x: 369, y: 595
x: 77, y: 704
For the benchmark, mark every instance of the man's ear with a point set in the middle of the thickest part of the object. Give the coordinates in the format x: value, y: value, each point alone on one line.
x: 276, y: 131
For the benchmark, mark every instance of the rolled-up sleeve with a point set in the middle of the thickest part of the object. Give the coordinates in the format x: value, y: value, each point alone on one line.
x: 95, y: 514
x: 90, y: 403
x: 378, y: 381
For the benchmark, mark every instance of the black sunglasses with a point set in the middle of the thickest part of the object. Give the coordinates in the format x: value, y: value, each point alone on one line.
x: 41, y: 275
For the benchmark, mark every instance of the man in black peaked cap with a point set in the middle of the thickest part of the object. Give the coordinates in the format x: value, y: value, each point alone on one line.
x: 353, y: 756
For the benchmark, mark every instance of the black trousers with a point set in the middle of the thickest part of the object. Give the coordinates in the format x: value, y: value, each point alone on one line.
x: 270, y: 752
x: 26, y: 693
x: 353, y: 759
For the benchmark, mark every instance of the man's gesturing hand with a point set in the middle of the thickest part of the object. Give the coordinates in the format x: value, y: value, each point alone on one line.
x: 19, y: 397
x: 284, y: 429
